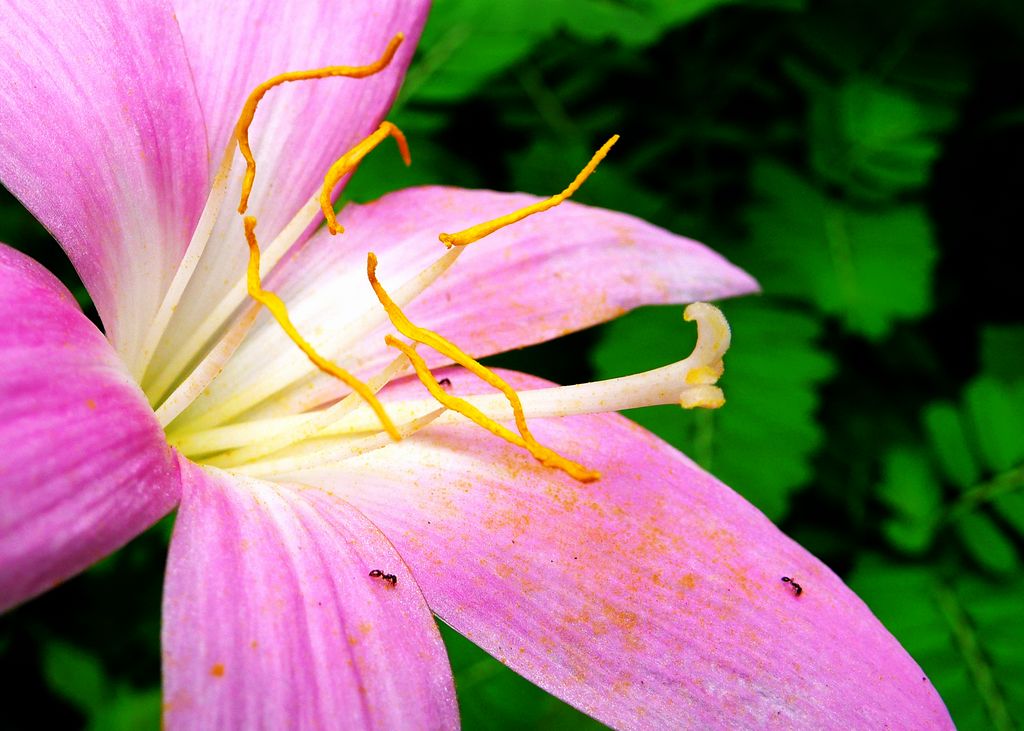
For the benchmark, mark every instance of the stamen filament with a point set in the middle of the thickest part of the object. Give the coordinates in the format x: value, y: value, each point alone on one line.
x: 277, y: 439
x: 350, y: 161
x: 208, y: 369
x: 277, y: 309
x: 332, y: 455
x: 187, y: 266
x: 545, y: 455
x: 477, y: 232
x: 257, y: 94
x: 234, y: 297
x: 166, y: 378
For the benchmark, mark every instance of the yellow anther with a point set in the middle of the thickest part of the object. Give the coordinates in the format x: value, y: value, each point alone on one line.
x: 525, y: 439
x: 702, y: 397
x: 249, y: 109
x: 477, y: 232
x: 277, y: 309
x: 350, y: 161
x: 705, y: 374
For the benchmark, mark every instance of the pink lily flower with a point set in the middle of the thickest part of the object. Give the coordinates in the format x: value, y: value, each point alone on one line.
x: 311, y: 548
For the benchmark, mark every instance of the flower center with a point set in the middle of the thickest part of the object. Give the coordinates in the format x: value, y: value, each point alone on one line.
x: 324, y: 433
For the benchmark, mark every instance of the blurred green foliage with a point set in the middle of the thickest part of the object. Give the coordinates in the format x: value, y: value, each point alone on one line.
x: 863, y: 161
x: 966, y: 636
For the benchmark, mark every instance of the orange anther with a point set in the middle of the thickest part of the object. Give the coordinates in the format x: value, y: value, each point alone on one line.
x: 477, y: 232
x: 350, y: 161
x: 249, y: 108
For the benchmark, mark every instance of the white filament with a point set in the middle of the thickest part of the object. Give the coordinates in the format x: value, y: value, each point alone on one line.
x: 187, y: 267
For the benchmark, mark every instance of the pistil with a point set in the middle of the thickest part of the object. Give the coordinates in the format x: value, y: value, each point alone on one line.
x: 274, y: 440
x: 338, y: 452
x: 689, y: 383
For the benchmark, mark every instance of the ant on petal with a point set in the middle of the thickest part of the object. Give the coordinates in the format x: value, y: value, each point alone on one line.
x: 797, y: 589
x: 390, y: 578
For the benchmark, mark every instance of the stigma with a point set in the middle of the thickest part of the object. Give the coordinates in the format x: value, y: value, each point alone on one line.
x: 361, y: 421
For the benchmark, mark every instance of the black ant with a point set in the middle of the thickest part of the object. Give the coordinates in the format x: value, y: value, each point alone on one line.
x: 445, y: 383
x: 390, y: 578
x: 797, y: 589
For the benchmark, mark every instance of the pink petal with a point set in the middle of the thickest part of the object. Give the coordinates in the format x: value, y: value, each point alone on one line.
x: 299, y: 128
x: 272, y: 621
x: 83, y: 463
x: 102, y: 138
x: 551, y: 274
x: 649, y: 599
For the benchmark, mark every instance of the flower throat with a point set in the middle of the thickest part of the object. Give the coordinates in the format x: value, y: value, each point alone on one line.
x: 261, y: 446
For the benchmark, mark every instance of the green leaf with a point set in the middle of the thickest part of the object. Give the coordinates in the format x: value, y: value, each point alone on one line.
x: 963, y: 631
x: 996, y: 423
x: 874, y: 140
x: 986, y: 543
x: 870, y: 267
x: 467, y: 42
x: 847, y: 39
x: 642, y: 22
x: 979, y: 448
x: 129, y: 710
x: 948, y: 438
x: 913, y: 494
x: 76, y: 675
x: 637, y: 23
x: 1010, y: 508
x: 1002, y: 352
x: 762, y: 440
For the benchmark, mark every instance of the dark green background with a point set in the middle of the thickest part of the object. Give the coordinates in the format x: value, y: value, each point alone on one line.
x: 863, y: 159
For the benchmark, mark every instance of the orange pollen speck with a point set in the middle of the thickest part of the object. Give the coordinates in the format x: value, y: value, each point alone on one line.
x: 217, y: 670
x: 249, y: 108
